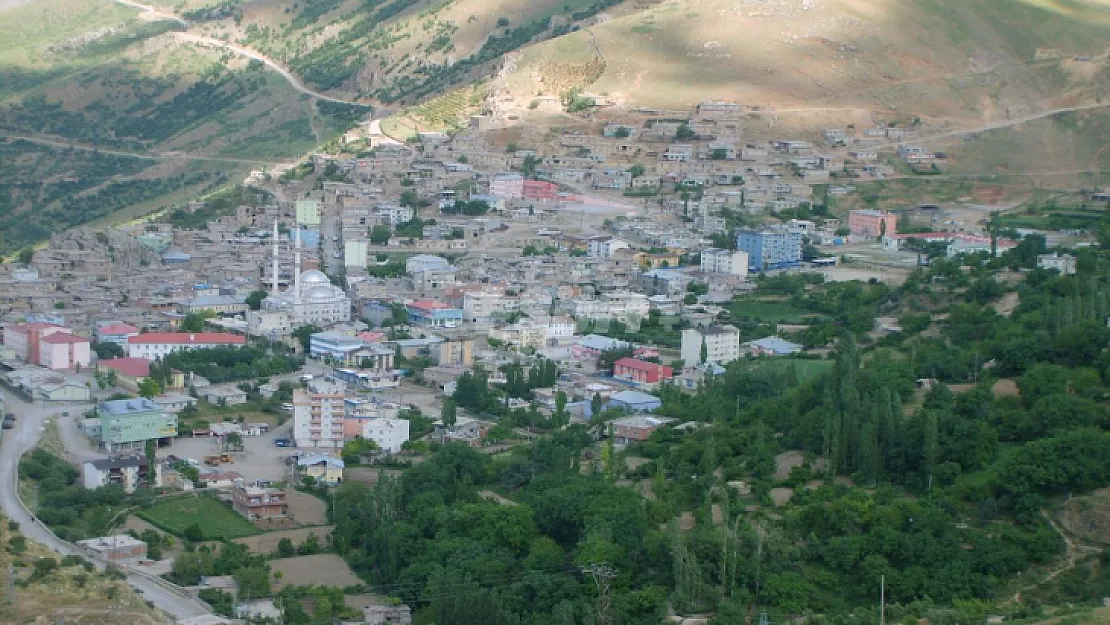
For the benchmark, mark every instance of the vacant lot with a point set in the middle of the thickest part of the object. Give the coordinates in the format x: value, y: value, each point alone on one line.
x: 306, y: 509
x: 215, y: 519
x: 268, y: 542
x: 326, y: 569
x: 369, y: 475
x: 770, y: 311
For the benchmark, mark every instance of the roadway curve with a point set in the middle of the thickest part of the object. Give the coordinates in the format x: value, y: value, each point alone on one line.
x: 293, y: 80
x: 30, y: 421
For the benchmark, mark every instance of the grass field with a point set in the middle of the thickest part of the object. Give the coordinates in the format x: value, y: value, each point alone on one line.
x: 215, y: 519
x: 769, y: 311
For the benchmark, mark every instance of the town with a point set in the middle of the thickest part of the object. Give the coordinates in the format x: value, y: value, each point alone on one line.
x: 332, y: 322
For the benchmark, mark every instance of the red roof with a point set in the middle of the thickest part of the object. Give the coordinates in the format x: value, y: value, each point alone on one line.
x: 641, y: 365
x: 61, y: 338
x: 118, y: 328
x: 131, y: 367
x: 23, y: 328
x: 428, y: 304
x: 186, y: 338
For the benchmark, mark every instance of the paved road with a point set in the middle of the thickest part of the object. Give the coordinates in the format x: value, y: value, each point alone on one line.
x: 29, y: 425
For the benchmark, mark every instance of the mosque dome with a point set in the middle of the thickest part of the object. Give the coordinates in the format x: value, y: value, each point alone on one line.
x: 313, y: 278
x: 320, y: 293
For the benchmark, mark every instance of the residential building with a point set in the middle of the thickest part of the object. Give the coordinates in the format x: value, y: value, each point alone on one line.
x: 623, y: 306
x: 634, y: 401
x: 771, y: 248
x: 308, y: 212
x: 425, y: 262
x: 322, y: 468
x: 508, y: 185
x: 390, y: 434
x: 457, y: 352
x: 484, y: 306
x: 618, y: 130
x: 641, y: 373
x: 217, y: 304
x: 62, y: 351
x: 23, y: 339
x: 611, y: 178
x: 721, y: 343
x: 153, y: 345
x: 433, y: 313
x: 715, y: 108
x: 1064, y: 263
x: 130, y: 372
x: 678, y: 153
x: 224, y: 395
x: 592, y: 345
x: 115, y: 333
x: 129, y: 423
x: 727, y: 262
x: 637, y: 429
x: 872, y: 223
x: 318, y: 415
x: 256, y: 503
x: 113, y: 548
x: 393, y: 215
x: 268, y: 324
x: 540, y: 190
x: 130, y: 472
x: 605, y: 246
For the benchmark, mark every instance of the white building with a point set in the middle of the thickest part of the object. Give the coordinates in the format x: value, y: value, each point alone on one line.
x: 129, y: 472
x: 482, y: 306
x: 425, y: 262
x: 1064, y: 263
x: 355, y: 253
x: 727, y: 262
x: 722, y: 345
x: 604, y: 247
x: 268, y: 324
x: 393, y: 215
x: 508, y: 185
x: 153, y: 345
x: 318, y: 415
x: 619, y: 305
x: 389, y: 434
x: 312, y: 298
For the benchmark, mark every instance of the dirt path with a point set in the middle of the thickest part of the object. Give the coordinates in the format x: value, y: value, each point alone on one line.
x: 1073, y: 553
x: 153, y: 156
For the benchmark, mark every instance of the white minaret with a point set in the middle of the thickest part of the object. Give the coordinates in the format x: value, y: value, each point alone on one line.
x: 296, y: 271
x: 275, y: 291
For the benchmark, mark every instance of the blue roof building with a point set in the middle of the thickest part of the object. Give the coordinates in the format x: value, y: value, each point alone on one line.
x: 771, y: 248
x: 635, y: 401
x: 774, y: 346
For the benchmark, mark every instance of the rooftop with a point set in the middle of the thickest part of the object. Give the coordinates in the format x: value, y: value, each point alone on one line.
x: 128, y: 406
x: 186, y: 338
x: 132, y: 367
x: 62, y: 338
x: 118, y: 328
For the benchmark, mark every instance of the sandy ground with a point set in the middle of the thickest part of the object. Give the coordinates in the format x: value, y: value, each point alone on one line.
x: 325, y: 569
x: 368, y: 475
x: 261, y: 460
x: 306, y: 509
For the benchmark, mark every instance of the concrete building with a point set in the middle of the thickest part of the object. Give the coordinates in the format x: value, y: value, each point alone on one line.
x: 771, y: 248
x: 605, y: 246
x: 773, y: 346
x: 641, y: 373
x: 117, y: 333
x: 508, y: 185
x: 425, y: 262
x: 430, y: 313
x: 318, y: 415
x: 727, y: 262
x: 308, y: 212
x: 355, y: 253
x: 153, y: 345
x: 722, y: 345
x: 872, y: 223
x: 130, y: 472
x: 1064, y: 263
x: 23, y: 339
x: 637, y: 429
x: 127, y: 424
x: 62, y: 351
x: 259, y: 503
x: 389, y: 434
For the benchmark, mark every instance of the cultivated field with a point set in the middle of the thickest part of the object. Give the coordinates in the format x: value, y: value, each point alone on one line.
x: 325, y: 569
x: 268, y: 542
x: 215, y: 519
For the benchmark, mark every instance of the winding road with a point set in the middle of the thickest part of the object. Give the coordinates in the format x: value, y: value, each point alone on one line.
x: 31, y: 420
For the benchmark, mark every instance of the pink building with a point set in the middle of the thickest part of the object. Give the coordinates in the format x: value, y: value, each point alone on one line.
x: 509, y: 186
x: 540, y: 190
x: 62, y: 351
x: 872, y: 223
x: 24, y: 338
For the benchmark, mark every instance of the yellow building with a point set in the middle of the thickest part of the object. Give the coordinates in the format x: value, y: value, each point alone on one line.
x: 323, y: 469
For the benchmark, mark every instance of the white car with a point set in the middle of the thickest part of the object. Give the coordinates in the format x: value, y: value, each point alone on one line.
x: 337, y: 255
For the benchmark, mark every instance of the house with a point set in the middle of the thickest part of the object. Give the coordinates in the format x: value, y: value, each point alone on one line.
x: 641, y: 373
x: 637, y: 428
x: 130, y: 372
x: 1063, y: 263
x: 115, y: 333
x: 872, y: 223
x: 62, y: 351
x: 113, y: 548
x: 175, y: 402
x: 223, y: 305
x: 23, y: 339
x: 773, y: 346
x: 154, y: 345
x: 726, y: 262
x: 256, y: 503
x: 635, y: 401
x: 610, y: 178
x: 618, y: 130
x: 388, y: 614
x: 130, y: 472
x: 127, y: 424
x: 425, y: 262
x: 604, y: 246
x: 715, y: 108
x: 224, y: 395
x: 678, y: 153
x: 507, y: 185
x: 721, y: 345
x: 324, y: 469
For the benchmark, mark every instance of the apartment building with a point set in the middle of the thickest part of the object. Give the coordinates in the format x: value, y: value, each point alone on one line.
x: 508, y: 185
x: 129, y: 472
x: 726, y: 262
x: 318, y: 415
x: 771, y: 248
x: 722, y: 345
x: 154, y: 345
x: 127, y: 424
x: 256, y: 503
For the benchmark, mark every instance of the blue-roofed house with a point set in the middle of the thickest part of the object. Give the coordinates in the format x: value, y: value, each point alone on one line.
x: 774, y: 346
x: 175, y: 257
x: 635, y: 401
x: 323, y: 469
x: 591, y: 346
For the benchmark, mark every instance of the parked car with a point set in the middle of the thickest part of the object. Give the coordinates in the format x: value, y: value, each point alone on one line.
x: 282, y: 442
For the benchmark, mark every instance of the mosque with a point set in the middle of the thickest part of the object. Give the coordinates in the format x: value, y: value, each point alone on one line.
x: 312, y: 298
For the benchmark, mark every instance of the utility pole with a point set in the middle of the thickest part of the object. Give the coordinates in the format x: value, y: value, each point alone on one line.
x: 602, y: 575
x: 882, y: 600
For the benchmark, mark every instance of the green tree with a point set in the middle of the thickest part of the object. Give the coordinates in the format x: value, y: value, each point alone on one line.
x: 637, y: 170
x: 703, y: 354
x: 193, y: 533
x: 194, y: 322
x: 107, y: 351
x: 596, y: 404
x: 448, y: 414
x: 151, y: 461
x: 26, y: 256
x: 379, y: 235
x: 254, y: 299
x: 560, y: 417
x: 304, y: 334
x: 684, y: 132
x: 149, y: 388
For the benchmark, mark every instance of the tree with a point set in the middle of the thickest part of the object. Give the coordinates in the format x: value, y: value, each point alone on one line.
x: 253, y: 581
x: 149, y: 388
x: 560, y: 417
x: 194, y: 322
x: 285, y: 549
x: 595, y: 404
x: 449, y: 412
x: 26, y: 256
x: 528, y: 167
x: 254, y: 300
x: 684, y: 132
x: 410, y: 198
x: 379, y: 235
x: 637, y: 170
x: 108, y: 350
x: 151, y: 461
x: 304, y: 334
x: 703, y: 354
x: 193, y: 533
